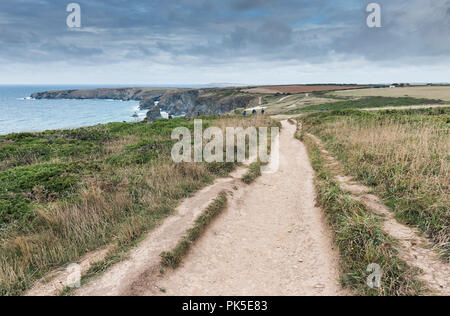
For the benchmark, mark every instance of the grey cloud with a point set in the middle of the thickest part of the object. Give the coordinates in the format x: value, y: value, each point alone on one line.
x: 417, y: 28
x: 213, y: 31
x: 269, y: 35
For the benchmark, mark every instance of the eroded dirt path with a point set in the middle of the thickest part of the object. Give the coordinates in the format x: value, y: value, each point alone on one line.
x: 271, y: 240
x: 143, y: 264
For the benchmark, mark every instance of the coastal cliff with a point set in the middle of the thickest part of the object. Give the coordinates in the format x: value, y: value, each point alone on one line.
x: 179, y: 102
x: 206, y: 101
x: 147, y: 96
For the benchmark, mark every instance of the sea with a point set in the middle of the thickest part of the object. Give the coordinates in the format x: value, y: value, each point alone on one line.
x: 20, y: 113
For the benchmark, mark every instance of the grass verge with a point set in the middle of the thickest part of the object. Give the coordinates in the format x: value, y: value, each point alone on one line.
x: 253, y: 173
x: 358, y: 235
x: 402, y: 155
x: 66, y: 193
x: 365, y: 102
x: 173, y: 258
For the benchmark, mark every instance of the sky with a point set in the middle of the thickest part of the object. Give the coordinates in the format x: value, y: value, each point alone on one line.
x: 156, y: 42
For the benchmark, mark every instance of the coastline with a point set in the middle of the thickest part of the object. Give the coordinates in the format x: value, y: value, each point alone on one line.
x: 23, y: 114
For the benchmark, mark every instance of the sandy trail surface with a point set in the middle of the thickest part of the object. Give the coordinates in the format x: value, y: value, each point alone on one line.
x: 144, y: 261
x: 271, y: 240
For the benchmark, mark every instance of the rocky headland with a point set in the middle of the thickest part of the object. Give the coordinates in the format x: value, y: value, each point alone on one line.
x: 147, y: 96
x: 187, y: 102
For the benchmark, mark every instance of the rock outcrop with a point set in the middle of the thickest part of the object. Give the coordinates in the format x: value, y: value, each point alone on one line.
x: 147, y: 96
x: 179, y: 102
x: 206, y: 101
x: 154, y: 114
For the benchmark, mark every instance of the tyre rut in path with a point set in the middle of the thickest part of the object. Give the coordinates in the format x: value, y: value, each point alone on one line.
x: 271, y: 240
x: 144, y: 260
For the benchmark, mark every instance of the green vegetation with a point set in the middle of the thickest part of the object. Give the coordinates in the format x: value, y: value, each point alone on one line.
x: 174, y: 257
x: 403, y: 155
x: 26, y: 148
x: 366, y: 102
x: 358, y: 235
x: 253, y: 173
x: 65, y: 193
x: 22, y: 186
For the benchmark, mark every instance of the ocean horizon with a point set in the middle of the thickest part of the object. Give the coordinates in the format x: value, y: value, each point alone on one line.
x: 19, y: 113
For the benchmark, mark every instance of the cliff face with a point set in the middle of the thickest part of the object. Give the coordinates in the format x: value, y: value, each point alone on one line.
x: 206, y: 101
x: 147, y: 96
x: 179, y: 103
x: 188, y: 102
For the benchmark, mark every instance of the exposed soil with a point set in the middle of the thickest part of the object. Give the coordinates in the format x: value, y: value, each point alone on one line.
x: 126, y: 277
x: 55, y: 282
x: 271, y: 240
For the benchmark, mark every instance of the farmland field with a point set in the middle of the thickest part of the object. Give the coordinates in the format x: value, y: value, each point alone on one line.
x: 367, y: 103
x: 293, y: 89
x: 438, y: 92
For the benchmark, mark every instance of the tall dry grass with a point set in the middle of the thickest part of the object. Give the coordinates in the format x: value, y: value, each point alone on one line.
x: 406, y: 159
x: 103, y: 213
x: 117, y: 203
x: 420, y: 152
x: 359, y: 237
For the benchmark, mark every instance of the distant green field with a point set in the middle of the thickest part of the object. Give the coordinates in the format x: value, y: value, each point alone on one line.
x: 366, y: 102
x: 429, y: 92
